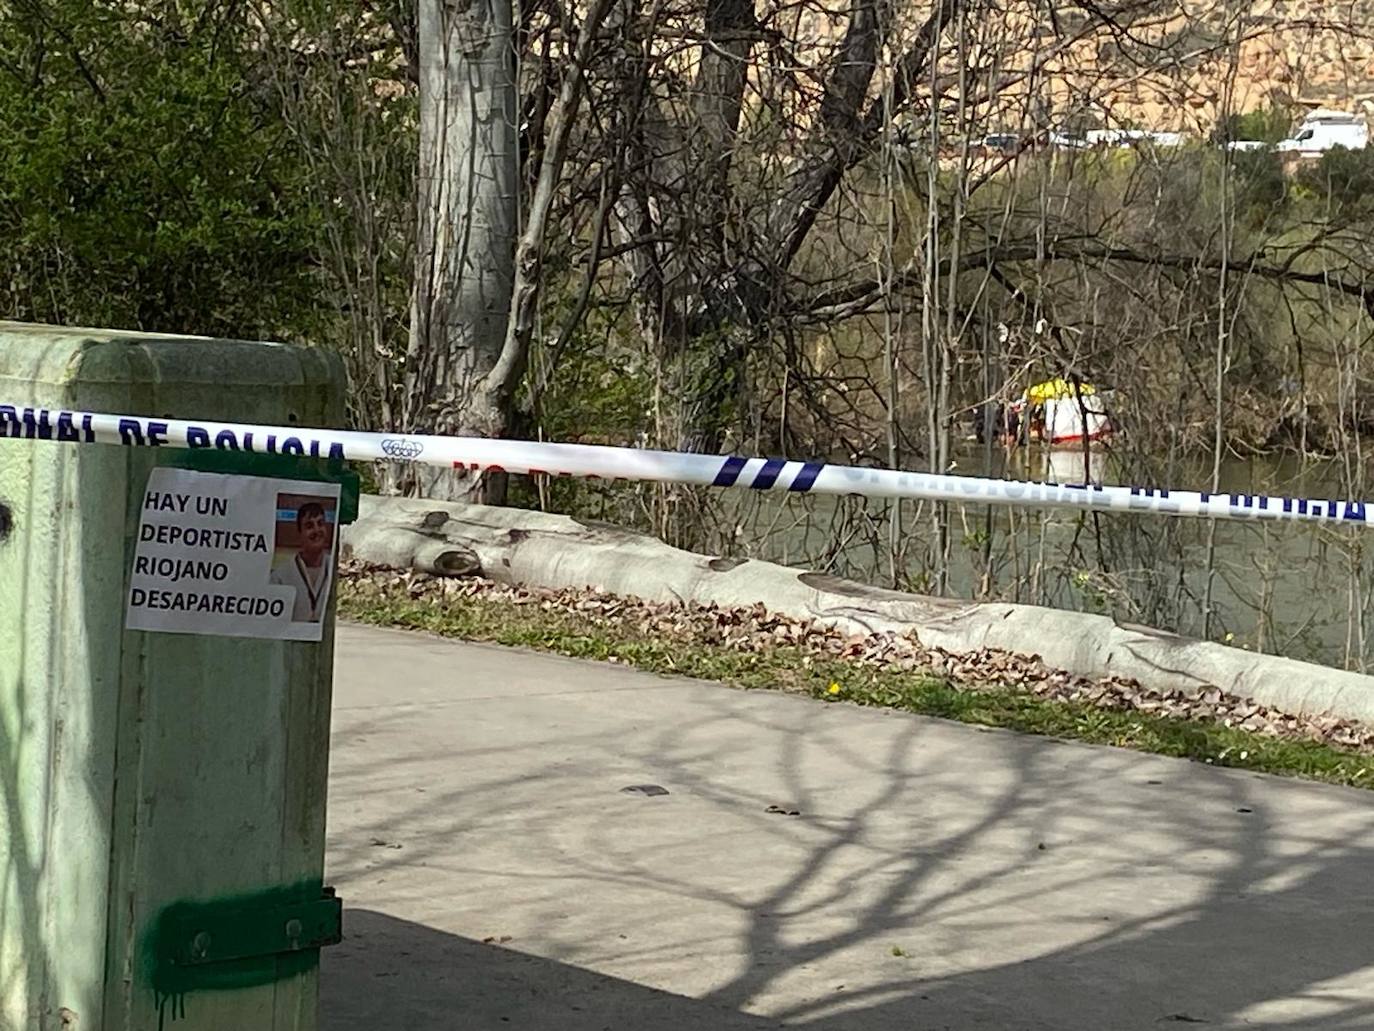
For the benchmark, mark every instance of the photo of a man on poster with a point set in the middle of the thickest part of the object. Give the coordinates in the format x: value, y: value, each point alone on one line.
x: 304, y: 553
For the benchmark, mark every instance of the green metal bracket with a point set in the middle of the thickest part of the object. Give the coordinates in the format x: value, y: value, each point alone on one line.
x: 218, y: 934
x: 240, y: 941
x: 286, y: 467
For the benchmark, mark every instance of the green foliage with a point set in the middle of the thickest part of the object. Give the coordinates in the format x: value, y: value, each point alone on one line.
x: 1260, y: 188
x: 143, y: 183
x: 1268, y: 125
x: 596, y: 395
x: 1343, y: 180
x: 594, y: 391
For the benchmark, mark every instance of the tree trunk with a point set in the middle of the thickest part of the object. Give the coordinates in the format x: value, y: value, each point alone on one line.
x: 467, y: 226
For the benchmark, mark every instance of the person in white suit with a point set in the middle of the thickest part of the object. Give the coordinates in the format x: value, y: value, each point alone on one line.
x: 310, y: 570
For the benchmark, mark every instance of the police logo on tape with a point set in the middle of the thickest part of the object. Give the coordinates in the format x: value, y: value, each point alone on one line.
x: 399, y: 447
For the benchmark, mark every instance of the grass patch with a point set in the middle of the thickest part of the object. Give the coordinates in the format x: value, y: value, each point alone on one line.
x: 567, y: 631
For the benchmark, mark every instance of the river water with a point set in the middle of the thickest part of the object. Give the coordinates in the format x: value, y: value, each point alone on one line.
x: 1301, y: 590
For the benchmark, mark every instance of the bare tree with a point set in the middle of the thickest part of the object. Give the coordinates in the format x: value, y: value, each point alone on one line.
x: 773, y: 226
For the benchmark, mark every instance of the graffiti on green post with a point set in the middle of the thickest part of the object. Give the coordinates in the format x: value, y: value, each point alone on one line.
x: 239, y: 941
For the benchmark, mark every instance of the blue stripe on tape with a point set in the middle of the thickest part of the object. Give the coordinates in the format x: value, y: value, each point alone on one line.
x: 807, y: 476
x: 768, y: 475
x: 729, y: 472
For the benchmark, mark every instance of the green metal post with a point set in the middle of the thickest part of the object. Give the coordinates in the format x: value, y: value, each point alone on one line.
x: 162, y: 796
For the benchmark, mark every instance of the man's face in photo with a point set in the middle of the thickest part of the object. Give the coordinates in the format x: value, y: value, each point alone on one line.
x: 314, y: 534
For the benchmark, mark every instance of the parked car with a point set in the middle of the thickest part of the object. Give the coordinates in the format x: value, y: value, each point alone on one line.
x: 1000, y: 143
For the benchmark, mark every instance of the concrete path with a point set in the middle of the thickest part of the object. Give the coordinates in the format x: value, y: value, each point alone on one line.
x: 495, y: 874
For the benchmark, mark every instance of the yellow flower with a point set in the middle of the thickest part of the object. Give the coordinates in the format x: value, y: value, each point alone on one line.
x: 833, y: 688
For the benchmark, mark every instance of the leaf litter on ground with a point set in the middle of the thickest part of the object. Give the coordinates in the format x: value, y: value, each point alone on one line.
x: 754, y: 647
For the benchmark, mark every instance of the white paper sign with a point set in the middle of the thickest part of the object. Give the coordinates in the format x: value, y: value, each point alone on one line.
x: 234, y: 556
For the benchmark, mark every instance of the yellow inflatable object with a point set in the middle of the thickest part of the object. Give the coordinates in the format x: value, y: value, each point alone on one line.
x: 1053, y: 389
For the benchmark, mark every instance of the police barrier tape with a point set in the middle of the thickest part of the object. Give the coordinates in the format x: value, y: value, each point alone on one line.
x: 618, y: 463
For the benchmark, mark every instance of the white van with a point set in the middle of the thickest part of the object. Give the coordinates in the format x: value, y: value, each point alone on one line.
x: 1321, y: 130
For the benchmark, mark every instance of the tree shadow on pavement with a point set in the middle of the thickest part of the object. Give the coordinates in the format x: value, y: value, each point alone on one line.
x: 935, y: 876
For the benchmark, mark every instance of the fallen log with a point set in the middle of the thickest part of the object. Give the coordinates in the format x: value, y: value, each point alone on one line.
x: 536, y: 549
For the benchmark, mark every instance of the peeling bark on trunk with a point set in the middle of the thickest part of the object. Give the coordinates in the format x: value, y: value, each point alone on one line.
x: 467, y: 220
